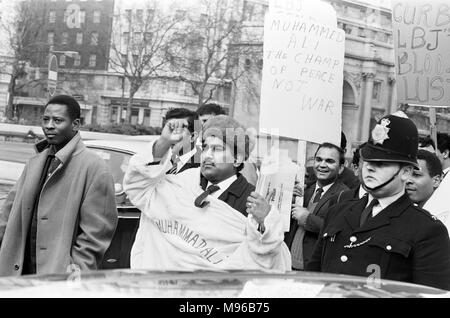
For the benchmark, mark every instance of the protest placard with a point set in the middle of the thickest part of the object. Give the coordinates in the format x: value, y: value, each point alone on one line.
x: 278, y: 173
x: 422, y: 48
x: 302, y: 78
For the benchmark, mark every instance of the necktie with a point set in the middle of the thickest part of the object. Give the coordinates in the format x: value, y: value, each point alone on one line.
x: 318, y: 194
x: 199, y: 203
x: 174, y: 168
x: 367, y: 212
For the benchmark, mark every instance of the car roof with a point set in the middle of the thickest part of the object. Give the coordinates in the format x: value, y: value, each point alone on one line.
x: 226, y: 284
x: 131, y: 145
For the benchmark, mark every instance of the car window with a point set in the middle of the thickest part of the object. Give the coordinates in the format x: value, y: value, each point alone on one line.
x: 117, y: 163
x: 4, y: 190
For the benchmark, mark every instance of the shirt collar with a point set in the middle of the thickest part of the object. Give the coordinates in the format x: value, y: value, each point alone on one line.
x: 361, y: 192
x: 325, y: 188
x: 446, y: 170
x: 223, y: 185
x: 186, y: 157
x: 385, y: 202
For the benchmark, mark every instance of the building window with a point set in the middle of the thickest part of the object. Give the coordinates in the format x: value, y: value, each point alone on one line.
x: 97, y: 14
x: 65, y: 37
x: 376, y: 92
x: 227, y: 94
x: 361, y: 32
x: 123, y: 59
x: 148, y: 36
x: 114, y: 116
x: 195, y: 66
x: 51, y: 38
x: 82, y: 16
x: 79, y: 38
x: 140, y: 15
x: 173, y: 87
x: 77, y: 60
x: 92, y: 60
x: 128, y: 15
x: 347, y: 29
x: 135, y: 60
x: 248, y: 64
x: 125, y: 40
x: 146, y: 121
x: 52, y: 17
x: 134, y: 115
x: 94, y: 38
x: 150, y: 14
x: 180, y: 14
x: 260, y: 64
x: 62, y: 60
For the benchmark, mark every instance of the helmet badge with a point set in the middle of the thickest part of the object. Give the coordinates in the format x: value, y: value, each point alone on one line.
x: 380, y: 132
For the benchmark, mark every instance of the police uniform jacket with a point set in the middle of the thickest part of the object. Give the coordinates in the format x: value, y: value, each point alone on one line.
x: 402, y: 242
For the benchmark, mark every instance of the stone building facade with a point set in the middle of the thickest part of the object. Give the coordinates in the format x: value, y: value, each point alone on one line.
x: 369, y: 87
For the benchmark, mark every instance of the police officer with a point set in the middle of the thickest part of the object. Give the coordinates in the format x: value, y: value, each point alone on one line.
x: 385, y: 235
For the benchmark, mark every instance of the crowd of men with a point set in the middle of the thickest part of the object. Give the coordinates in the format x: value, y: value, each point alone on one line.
x: 195, y: 188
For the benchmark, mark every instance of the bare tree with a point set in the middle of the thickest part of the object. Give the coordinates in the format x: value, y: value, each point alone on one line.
x: 144, y: 45
x: 22, y: 27
x: 214, y: 40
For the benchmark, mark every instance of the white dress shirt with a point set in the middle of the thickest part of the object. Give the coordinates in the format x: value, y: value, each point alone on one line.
x: 383, y: 202
x: 223, y: 185
x: 325, y: 189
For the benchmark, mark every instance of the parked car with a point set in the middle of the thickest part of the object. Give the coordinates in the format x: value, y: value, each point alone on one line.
x: 117, y: 154
x: 234, y: 284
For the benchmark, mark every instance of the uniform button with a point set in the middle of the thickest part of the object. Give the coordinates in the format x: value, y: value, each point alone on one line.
x: 16, y: 267
x: 353, y: 239
x: 344, y: 258
x: 389, y: 247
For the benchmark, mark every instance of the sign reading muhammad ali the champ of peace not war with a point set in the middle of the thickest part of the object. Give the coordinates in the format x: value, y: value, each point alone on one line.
x: 302, y: 75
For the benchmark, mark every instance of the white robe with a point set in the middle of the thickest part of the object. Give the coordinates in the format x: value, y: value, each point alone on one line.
x: 439, y: 203
x: 173, y: 234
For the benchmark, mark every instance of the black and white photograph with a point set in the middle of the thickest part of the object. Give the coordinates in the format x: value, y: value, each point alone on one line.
x: 224, y: 156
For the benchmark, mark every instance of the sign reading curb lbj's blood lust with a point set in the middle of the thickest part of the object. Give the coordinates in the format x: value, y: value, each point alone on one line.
x: 422, y: 46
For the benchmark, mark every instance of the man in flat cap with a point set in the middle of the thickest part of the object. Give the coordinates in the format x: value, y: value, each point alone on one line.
x: 385, y: 234
x: 205, y: 218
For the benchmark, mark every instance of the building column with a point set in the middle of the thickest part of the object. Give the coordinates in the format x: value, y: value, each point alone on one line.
x: 366, y: 107
x: 141, y: 116
x: 119, y: 114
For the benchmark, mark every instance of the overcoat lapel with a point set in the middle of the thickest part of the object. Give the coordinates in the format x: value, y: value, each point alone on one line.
x: 31, y: 188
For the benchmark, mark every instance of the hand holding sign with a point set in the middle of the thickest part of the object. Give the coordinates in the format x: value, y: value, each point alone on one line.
x: 259, y: 206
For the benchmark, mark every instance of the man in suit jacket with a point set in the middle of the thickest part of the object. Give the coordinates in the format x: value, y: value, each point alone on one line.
x: 184, y: 154
x: 385, y: 235
x: 307, y: 220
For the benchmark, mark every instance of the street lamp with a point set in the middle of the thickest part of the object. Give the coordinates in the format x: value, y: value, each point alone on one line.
x: 53, y: 69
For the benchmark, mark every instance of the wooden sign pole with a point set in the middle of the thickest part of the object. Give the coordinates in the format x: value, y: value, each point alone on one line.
x: 433, y: 132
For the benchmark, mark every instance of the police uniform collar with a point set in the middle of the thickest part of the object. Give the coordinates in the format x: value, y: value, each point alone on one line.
x: 394, y: 210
